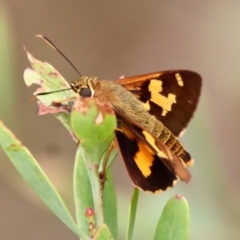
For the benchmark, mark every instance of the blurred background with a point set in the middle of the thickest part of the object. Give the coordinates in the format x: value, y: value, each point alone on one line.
x: 109, y: 39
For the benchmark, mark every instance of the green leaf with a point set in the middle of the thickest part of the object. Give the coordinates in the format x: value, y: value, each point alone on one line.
x: 103, y: 233
x: 49, y: 80
x: 110, y: 202
x: 82, y: 191
x: 30, y: 170
x: 132, y: 213
x: 84, y: 196
x: 174, y: 222
x: 7, y: 73
x: 93, y: 124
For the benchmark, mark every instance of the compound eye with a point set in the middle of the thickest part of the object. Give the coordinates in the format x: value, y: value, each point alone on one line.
x: 85, y: 92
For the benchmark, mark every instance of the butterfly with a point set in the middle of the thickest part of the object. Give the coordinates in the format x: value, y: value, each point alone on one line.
x: 152, y: 110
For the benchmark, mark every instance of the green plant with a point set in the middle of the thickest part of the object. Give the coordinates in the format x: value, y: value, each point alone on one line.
x: 96, y: 208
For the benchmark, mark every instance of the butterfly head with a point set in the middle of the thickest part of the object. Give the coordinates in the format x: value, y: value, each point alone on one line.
x: 84, y: 86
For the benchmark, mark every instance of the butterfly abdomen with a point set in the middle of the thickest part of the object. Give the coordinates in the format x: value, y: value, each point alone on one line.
x: 166, y: 137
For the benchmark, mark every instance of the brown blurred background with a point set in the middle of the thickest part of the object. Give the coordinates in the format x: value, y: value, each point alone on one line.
x: 109, y: 39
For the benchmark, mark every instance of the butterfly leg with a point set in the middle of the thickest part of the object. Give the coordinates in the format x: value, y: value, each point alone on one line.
x: 105, y: 164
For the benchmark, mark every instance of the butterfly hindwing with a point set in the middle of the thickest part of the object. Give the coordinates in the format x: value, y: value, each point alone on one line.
x: 171, y: 96
x: 150, y: 164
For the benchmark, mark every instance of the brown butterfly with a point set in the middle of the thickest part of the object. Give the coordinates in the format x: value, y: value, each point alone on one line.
x: 152, y: 110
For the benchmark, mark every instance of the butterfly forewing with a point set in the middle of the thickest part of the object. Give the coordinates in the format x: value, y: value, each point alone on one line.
x: 171, y: 96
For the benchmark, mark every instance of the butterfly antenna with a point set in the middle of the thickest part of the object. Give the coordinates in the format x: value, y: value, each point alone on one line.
x: 55, y: 48
x: 46, y: 93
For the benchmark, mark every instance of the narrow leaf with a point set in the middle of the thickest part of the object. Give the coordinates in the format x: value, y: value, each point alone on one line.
x: 132, y: 213
x: 82, y: 191
x: 110, y: 203
x: 103, y: 233
x: 30, y: 170
x: 174, y: 222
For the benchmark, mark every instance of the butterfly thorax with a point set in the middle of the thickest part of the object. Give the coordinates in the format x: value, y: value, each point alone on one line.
x: 120, y: 99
